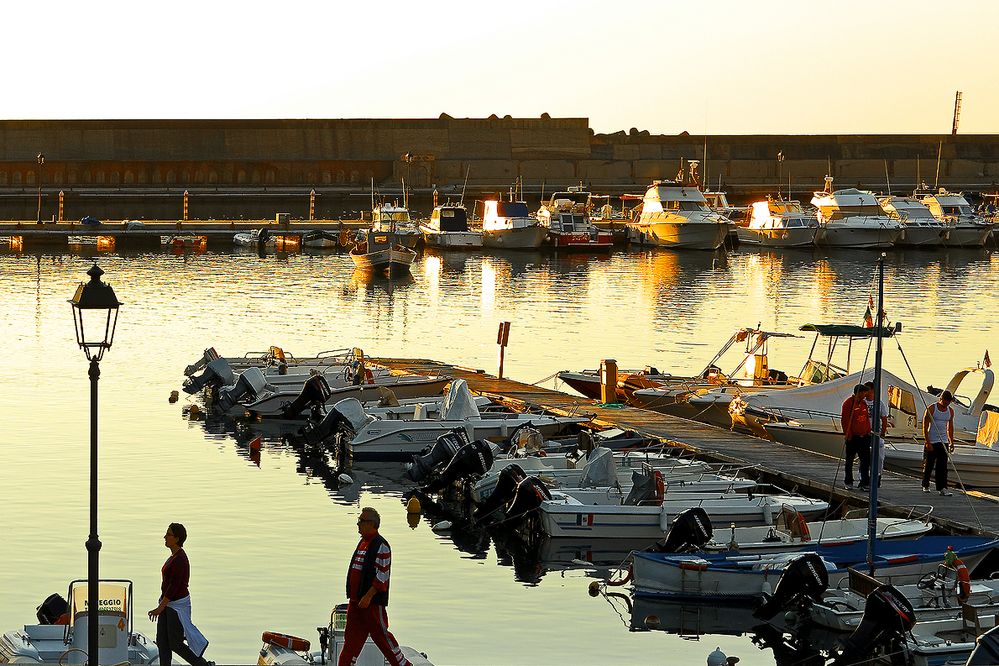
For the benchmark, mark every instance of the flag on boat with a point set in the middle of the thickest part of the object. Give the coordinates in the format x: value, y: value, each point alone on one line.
x: 987, y: 362
x: 868, y: 318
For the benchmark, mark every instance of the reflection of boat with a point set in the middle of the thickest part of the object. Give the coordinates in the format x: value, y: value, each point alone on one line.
x: 61, y: 635
x: 104, y: 243
x: 852, y: 218
x: 567, y: 219
x: 508, y: 224
x: 381, y: 252
x: 779, y: 223
x: 448, y: 228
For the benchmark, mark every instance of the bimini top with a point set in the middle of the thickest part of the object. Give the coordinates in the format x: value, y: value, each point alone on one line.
x: 847, y: 331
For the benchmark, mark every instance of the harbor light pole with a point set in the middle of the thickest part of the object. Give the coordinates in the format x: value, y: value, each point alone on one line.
x: 41, y: 163
x: 95, y: 314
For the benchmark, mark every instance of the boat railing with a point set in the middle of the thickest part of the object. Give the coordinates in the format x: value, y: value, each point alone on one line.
x: 919, y: 513
x: 788, y: 414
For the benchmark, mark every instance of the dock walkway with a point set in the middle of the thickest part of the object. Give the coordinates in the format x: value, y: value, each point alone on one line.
x: 781, y: 465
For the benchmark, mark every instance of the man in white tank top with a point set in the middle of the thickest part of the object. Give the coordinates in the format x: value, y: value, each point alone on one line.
x: 938, y: 436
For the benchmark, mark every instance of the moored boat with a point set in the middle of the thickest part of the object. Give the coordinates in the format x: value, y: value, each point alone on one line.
x: 381, y: 252
x: 852, y: 218
x: 566, y: 218
x: 509, y: 225
x: 922, y: 229
x: 779, y: 223
x: 964, y: 227
x: 448, y: 228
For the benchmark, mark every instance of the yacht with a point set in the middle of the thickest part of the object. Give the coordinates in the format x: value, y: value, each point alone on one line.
x: 509, y: 224
x: 853, y: 218
x: 395, y: 219
x: 779, y: 223
x: 676, y: 215
x: 965, y: 228
x: 921, y: 228
x: 448, y: 228
x: 567, y: 219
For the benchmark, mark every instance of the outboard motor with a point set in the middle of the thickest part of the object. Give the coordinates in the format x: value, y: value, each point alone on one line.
x: 805, y: 577
x: 643, y: 486
x: 53, y: 610
x: 888, y: 616
x: 216, y: 374
x: 209, y: 355
x: 986, y: 652
x: 251, y: 382
x: 471, y: 460
x: 439, y: 455
x: 315, y: 393
x: 506, y: 488
x: 346, y: 414
x: 531, y: 492
x: 691, y: 529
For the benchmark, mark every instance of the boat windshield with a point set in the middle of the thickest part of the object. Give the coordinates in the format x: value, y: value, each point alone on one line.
x: 956, y: 210
x: 843, y: 212
x: 684, y: 205
x: 512, y: 209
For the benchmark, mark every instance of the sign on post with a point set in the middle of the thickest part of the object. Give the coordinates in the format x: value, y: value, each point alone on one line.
x: 502, y: 339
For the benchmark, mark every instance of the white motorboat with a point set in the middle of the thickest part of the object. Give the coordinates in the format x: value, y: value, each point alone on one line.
x: 276, y: 357
x: 382, y: 252
x: 60, y: 637
x: 395, y: 219
x: 509, y: 225
x: 284, y: 650
x: 964, y: 227
x: 852, y: 218
x: 448, y: 228
x: 950, y: 641
x: 676, y: 215
x: 566, y: 218
x: 718, y: 203
x: 779, y: 223
x: 255, y: 238
x: 922, y: 229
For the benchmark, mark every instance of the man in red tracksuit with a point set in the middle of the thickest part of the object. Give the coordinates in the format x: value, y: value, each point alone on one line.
x: 367, y: 590
x: 856, y: 424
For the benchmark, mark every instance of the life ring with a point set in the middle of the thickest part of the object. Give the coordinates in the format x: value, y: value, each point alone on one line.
x: 803, y: 527
x: 660, y: 487
x: 369, y: 377
x: 963, y: 580
x: 285, y: 641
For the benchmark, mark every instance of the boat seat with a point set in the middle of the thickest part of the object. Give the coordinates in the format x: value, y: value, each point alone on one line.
x: 972, y: 623
x: 45, y: 632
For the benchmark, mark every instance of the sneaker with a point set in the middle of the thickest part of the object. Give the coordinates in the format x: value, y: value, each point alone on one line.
x: 926, y: 489
x: 848, y: 484
x: 946, y: 493
x: 864, y: 487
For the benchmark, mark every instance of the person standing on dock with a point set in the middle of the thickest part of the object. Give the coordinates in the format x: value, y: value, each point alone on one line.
x: 173, y: 614
x: 938, y: 436
x: 878, y: 439
x: 856, y: 422
x: 367, y: 590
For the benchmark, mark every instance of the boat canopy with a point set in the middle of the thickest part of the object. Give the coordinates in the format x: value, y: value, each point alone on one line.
x: 847, y: 331
x: 451, y: 218
x: 512, y: 209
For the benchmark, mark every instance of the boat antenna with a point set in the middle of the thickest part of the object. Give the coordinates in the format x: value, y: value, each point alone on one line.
x: 467, y: 169
x: 780, y: 164
x: 917, y: 176
x: 936, y: 179
x: 372, y: 193
x: 704, y: 164
x: 875, y: 477
x: 887, y: 179
x: 405, y: 196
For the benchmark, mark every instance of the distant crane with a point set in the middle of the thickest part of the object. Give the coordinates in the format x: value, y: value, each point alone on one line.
x: 957, y: 113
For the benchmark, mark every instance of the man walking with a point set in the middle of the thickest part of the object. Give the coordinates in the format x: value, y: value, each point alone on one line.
x: 367, y: 590
x: 856, y: 424
x: 938, y: 438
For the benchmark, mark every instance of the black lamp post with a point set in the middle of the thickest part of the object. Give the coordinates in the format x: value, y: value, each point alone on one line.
x: 95, y: 314
x: 41, y: 163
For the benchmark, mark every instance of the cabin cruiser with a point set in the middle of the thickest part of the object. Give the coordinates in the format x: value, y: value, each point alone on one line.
x: 390, y: 217
x: 718, y: 203
x: 285, y: 650
x: 853, y: 218
x: 509, y: 225
x: 675, y: 214
x: 382, y: 252
x: 964, y: 228
x: 779, y: 223
x: 922, y: 229
x: 567, y: 219
x: 60, y: 636
x: 448, y: 228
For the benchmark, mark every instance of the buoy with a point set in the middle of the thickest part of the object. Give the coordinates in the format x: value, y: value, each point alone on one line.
x: 255, y: 444
x: 174, y: 396
x: 195, y: 412
x: 442, y: 526
x: 413, y: 519
x: 717, y: 658
x: 594, y: 588
x: 413, y: 505
x: 345, y: 479
x: 652, y: 622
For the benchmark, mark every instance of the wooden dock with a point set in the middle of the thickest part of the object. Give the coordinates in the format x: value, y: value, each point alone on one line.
x: 810, y: 473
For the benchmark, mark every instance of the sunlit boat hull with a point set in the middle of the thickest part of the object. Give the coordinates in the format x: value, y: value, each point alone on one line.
x: 968, y: 235
x: 523, y: 238
x: 683, y: 235
x: 795, y: 237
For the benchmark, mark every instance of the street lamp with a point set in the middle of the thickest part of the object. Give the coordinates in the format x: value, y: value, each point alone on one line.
x: 95, y: 314
x: 41, y: 163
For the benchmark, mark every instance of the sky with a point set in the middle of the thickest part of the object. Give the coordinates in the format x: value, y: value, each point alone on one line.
x: 880, y: 66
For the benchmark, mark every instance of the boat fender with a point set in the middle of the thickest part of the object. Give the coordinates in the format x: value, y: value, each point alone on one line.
x: 345, y: 479
x: 442, y: 526
x: 413, y: 505
x: 768, y: 512
x: 660, y: 487
x: 369, y: 377
x: 285, y: 641
x: 664, y: 519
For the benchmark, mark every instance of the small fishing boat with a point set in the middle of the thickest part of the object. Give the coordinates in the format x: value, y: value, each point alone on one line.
x: 395, y: 219
x: 60, y: 636
x: 567, y: 220
x: 382, y: 252
x: 853, y: 218
x: 509, y: 225
x: 448, y: 228
x: 285, y: 650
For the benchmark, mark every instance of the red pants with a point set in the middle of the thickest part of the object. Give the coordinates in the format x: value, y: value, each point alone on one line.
x: 371, y: 621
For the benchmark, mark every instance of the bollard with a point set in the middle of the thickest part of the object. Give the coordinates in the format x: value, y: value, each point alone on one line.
x: 502, y: 339
x: 608, y: 381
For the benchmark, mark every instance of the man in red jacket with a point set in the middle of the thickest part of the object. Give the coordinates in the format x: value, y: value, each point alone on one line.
x: 367, y: 590
x: 856, y: 422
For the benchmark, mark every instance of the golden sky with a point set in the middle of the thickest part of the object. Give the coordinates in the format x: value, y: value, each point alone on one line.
x: 718, y: 67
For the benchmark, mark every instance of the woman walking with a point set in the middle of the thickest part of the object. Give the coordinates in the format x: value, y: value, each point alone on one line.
x: 173, y: 614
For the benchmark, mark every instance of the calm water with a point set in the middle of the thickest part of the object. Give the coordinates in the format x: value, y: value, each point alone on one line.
x: 269, y: 543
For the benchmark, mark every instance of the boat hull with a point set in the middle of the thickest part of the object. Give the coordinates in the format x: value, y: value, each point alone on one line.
x: 394, y: 261
x: 914, y: 236
x: 524, y: 238
x: 598, y: 242
x: 452, y: 239
x: 971, y: 235
x: 794, y: 237
x: 683, y: 235
x: 858, y: 237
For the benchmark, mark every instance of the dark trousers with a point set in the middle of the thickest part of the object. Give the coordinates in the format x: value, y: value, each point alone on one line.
x: 935, y: 457
x: 170, y: 638
x: 859, y: 447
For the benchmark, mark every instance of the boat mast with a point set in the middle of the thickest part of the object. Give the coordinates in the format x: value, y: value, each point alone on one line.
x: 936, y: 179
x: 872, y: 510
x: 463, y: 185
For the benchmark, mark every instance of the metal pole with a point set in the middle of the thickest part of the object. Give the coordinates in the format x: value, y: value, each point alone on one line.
x: 41, y: 162
x: 93, y: 542
x: 872, y: 511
